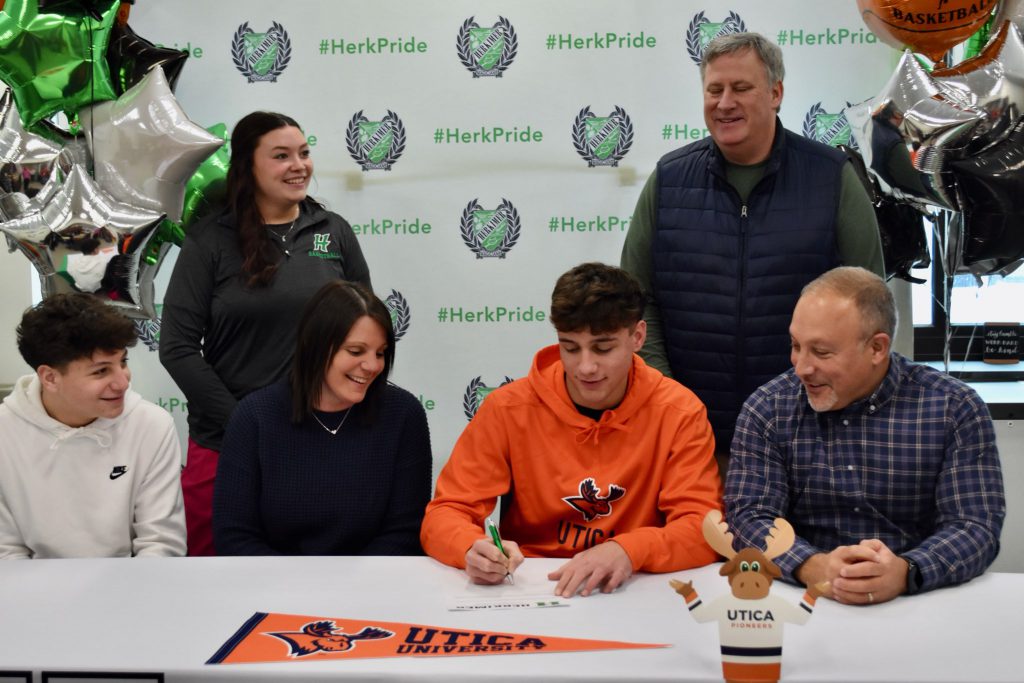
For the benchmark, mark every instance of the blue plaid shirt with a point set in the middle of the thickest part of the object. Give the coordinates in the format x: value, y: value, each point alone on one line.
x: 914, y: 465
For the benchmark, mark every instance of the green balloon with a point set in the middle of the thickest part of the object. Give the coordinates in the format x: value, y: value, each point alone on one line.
x: 206, y: 189
x: 55, y: 61
x: 976, y: 43
x: 204, y: 194
x: 168, y: 232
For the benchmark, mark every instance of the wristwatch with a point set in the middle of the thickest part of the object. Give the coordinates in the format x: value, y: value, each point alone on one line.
x: 914, y: 578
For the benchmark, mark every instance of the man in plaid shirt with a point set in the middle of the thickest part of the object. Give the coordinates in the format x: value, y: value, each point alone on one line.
x: 888, y: 470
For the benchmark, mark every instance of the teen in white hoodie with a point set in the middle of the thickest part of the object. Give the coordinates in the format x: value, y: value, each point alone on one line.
x: 87, y: 467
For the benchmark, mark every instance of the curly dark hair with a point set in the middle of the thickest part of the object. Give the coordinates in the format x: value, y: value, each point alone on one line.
x: 66, y: 327
x: 596, y: 297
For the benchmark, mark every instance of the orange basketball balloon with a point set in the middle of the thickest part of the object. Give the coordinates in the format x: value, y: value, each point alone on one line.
x: 927, y: 26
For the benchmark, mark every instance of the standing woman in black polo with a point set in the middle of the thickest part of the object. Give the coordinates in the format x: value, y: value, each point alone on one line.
x: 238, y: 289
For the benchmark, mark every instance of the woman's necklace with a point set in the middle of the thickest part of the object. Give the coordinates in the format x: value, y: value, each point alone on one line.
x: 334, y: 431
x: 284, y: 236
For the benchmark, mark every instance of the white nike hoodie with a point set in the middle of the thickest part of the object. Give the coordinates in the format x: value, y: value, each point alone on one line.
x: 109, y: 489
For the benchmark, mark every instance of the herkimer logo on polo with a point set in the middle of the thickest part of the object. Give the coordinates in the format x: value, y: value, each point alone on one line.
x: 321, y: 241
x: 375, y: 145
x: 398, y: 307
x: 590, y: 503
x: 475, y: 394
x: 261, y: 56
x: 602, y: 140
x: 830, y: 129
x: 325, y: 637
x: 321, y: 247
x: 487, y: 51
x: 490, y: 233
x: 702, y: 32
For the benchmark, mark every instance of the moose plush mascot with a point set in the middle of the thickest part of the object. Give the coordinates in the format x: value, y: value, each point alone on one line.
x: 750, y: 620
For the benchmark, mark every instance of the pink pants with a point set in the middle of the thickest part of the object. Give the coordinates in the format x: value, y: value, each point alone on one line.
x: 197, y: 490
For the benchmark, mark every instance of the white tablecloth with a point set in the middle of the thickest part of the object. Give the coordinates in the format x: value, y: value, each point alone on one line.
x: 169, y: 617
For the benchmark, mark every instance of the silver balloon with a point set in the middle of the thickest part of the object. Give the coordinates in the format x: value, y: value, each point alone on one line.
x: 144, y: 148
x: 992, y: 81
x: 1012, y: 10
x: 910, y: 131
x: 17, y: 145
x: 15, y: 205
x: 84, y: 240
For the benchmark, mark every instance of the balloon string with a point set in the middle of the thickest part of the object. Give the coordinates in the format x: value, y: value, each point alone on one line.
x: 92, y: 98
x: 942, y: 228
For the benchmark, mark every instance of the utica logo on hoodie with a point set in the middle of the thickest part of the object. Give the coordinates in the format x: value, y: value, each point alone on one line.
x: 591, y: 505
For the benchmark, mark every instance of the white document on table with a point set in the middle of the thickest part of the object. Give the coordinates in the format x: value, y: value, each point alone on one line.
x: 528, y: 592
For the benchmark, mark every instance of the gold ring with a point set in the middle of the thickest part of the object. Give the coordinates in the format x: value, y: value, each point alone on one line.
x: 871, y: 597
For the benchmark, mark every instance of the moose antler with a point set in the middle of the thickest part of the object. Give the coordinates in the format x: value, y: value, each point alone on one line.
x: 716, y: 533
x: 780, y: 538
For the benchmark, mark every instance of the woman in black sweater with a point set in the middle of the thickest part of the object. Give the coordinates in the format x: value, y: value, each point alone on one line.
x: 336, y: 461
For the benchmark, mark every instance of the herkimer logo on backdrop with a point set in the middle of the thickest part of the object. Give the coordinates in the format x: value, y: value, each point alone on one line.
x: 490, y: 233
x: 702, y: 32
x: 398, y: 307
x: 375, y: 145
x: 475, y: 394
x: 830, y: 129
x: 261, y: 56
x: 487, y: 51
x: 602, y: 140
x: 324, y: 637
x: 148, y: 331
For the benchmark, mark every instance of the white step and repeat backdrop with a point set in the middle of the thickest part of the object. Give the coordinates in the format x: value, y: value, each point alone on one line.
x: 480, y: 149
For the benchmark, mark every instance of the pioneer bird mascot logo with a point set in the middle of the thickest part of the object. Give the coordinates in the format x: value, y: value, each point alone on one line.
x: 323, y: 636
x: 590, y: 503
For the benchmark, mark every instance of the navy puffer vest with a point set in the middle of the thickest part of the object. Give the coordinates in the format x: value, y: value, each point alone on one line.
x: 727, y: 275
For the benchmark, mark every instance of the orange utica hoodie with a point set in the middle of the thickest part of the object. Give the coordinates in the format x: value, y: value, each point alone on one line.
x: 643, y: 475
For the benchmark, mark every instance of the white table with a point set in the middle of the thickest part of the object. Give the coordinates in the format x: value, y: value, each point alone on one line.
x: 169, y: 616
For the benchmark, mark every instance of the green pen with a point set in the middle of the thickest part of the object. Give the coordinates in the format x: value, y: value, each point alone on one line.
x: 492, y: 529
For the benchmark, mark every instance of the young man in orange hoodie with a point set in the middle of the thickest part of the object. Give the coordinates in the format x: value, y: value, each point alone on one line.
x: 598, y: 457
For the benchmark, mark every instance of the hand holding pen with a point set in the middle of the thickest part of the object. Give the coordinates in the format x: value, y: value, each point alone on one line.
x: 492, y: 560
x: 492, y: 530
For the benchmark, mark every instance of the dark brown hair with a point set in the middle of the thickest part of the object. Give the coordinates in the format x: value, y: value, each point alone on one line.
x: 259, y: 255
x: 596, y: 297
x: 66, y: 327
x: 326, y: 321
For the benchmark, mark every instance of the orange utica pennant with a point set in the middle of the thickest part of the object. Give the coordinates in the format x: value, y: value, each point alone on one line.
x: 290, y: 637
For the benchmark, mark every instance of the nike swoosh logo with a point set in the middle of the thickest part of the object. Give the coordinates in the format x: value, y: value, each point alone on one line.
x: 115, y: 475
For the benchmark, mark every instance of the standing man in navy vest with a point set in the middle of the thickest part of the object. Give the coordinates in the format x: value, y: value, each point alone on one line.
x: 728, y: 230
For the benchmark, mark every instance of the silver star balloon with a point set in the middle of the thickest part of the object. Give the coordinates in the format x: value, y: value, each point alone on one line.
x: 17, y: 204
x: 992, y: 81
x: 84, y: 240
x: 1012, y: 10
x: 910, y: 131
x: 144, y: 148
x: 17, y: 145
